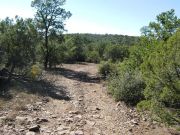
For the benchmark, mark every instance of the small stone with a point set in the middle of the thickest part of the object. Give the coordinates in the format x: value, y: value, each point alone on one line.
x: 62, y: 128
x: 42, y: 120
x: 53, y: 116
x: 79, y: 132
x: 39, y: 103
x: 73, y: 112
x: 34, y: 128
x: 63, y: 102
x: 45, y: 100
x: 30, y: 133
x: 130, y: 110
x: 78, y: 116
x: 21, y: 130
x: 72, y: 133
x: 134, y: 122
x: 29, y: 120
x: 118, y: 104
x: 21, y: 120
x: 130, y: 130
x: 2, y: 119
x: 91, y: 123
x: 144, y: 119
x: 98, y: 108
x: 69, y: 119
x: 97, y: 116
x: 59, y: 119
x: 80, y: 99
x: 65, y: 132
x: 154, y: 122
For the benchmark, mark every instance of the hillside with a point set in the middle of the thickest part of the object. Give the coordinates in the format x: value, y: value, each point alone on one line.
x: 105, y: 38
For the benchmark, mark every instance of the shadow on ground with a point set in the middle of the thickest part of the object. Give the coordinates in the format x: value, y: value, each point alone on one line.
x: 4, y: 89
x: 41, y: 88
x: 44, y: 88
x: 75, y: 75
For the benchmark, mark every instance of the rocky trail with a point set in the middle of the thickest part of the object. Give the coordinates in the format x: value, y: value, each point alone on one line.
x: 76, y: 104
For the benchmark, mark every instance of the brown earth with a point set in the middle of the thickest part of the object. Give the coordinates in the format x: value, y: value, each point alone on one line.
x: 71, y: 100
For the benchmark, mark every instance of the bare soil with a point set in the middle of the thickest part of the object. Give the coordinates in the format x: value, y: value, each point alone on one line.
x: 72, y: 100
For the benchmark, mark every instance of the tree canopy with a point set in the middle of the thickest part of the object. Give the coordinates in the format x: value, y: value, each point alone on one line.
x: 166, y: 25
x: 50, y: 17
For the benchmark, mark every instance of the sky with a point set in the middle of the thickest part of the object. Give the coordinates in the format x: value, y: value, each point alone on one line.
x: 100, y: 16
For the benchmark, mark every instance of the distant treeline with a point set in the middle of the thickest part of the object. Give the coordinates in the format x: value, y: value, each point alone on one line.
x: 106, y: 38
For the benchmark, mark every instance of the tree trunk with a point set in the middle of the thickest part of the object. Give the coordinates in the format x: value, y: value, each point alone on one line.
x: 46, y: 50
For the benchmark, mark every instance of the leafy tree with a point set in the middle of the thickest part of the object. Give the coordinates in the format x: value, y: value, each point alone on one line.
x: 162, y: 77
x: 166, y: 25
x: 101, y: 46
x: 92, y: 56
x: 50, y: 17
x: 18, y: 40
x: 116, y: 52
x: 56, y: 49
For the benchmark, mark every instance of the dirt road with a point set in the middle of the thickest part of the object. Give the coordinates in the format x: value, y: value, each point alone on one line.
x: 79, y: 104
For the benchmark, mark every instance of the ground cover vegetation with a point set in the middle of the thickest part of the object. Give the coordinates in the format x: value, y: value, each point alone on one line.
x: 150, y: 77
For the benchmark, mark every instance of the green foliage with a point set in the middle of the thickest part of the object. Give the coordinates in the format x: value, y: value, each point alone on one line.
x: 106, y: 67
x: 93, y: 47
x: 150, y: 76
x: 93, y: 56
x: 35, y: 71
x: 50, y: 17
x: 165, y: 27
x: 144, y: 105
x: 102, y: 40
x: 127, y: 85
x: 17, y: 39
x: 162, y: 77
x: 75, y: 49
x: 56, y: 54
x: 56, y: 49
x: 116, y: 53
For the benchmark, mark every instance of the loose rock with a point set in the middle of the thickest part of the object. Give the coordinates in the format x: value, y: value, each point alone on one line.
x: 35, y: 128
x: 30, y: 133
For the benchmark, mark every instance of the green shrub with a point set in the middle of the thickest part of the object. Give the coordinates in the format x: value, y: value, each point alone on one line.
x: 162, y: 77
x: 106, y: 67
x: 93, y: 56
x: 116, y: 53
x: 35, y: 71
x: 56, y: 54
x: 144, y: 105
x: 127, y: 87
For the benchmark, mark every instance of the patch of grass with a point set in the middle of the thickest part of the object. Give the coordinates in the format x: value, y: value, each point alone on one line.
x: 20, y: 98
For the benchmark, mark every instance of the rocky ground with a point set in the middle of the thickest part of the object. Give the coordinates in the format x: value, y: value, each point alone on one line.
x: 71, y: 101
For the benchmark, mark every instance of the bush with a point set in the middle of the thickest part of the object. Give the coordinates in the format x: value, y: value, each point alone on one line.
x: 161, y: 74
x: 116, y: 53
x: 106, y: 67
x: 93, y: 56
x: 35, y: 71
x: 56, y: 54
x: 127, y: 87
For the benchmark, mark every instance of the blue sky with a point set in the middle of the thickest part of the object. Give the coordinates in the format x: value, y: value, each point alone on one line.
x: 100, y: 16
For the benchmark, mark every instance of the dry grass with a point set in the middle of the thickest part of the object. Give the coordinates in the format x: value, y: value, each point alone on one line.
x: 18, y: 102
x: 22, y: 99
